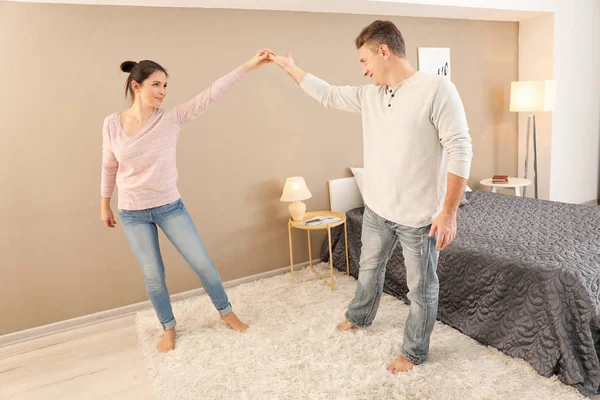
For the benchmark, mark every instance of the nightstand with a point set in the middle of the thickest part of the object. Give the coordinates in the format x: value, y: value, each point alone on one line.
x: 513, y: 183
x: 308, y: 228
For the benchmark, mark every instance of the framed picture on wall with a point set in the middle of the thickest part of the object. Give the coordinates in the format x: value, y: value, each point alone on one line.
x: 434, y: 60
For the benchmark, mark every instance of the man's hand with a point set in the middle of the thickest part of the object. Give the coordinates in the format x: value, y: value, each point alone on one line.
x: 445, y: 226
x: 445, y: 222
x: 287, y: 64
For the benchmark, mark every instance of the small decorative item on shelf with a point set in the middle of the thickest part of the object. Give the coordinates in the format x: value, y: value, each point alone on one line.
x: 500, y: 179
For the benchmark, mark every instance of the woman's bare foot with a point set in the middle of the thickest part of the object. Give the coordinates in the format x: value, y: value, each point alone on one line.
x: 167, y: 343
x: 234, y: 322
x: 401, y: 364
x: 346, y: 326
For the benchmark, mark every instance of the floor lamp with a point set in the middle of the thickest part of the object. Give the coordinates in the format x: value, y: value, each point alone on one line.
x: 532, y: 97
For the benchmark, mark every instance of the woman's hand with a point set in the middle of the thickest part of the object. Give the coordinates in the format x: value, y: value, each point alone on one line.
x: 107, y: 217
x: 261, y: 58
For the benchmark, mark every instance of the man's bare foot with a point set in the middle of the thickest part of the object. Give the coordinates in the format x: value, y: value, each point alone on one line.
x: 346, y: 326
x: 400, y: 364
x: 234, y: 322
x: 167, y: 342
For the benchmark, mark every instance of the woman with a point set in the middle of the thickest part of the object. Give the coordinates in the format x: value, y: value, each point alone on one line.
x: 139, y: 147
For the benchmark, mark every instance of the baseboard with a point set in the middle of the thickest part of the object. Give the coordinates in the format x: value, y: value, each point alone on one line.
x: 591, y: 203
x: 120, y: 312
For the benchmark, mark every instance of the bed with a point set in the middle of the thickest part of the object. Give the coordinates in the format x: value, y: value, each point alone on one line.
x: 522, y: 275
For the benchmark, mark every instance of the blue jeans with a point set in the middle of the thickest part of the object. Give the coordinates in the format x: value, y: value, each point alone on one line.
x: 379, y: 239
x: 140, y: 227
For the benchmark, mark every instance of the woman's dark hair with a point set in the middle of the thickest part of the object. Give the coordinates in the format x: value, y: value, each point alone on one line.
x: 139, y: 72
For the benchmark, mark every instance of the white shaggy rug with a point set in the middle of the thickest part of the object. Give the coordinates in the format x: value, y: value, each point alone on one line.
x: 293, y: 351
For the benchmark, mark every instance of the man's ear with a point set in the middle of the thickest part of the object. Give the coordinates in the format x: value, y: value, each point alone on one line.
x: 384, y: 50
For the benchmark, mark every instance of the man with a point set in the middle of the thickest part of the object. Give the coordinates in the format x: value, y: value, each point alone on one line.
x: 417, y: 158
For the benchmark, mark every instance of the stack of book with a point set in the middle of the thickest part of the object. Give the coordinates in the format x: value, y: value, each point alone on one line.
x: 500, y: 179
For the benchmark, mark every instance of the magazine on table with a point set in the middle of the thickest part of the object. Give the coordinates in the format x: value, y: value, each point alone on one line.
x: 321, y: 220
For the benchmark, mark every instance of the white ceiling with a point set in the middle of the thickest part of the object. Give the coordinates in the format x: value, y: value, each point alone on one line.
x: 494, y: 10
x: 517, y: 5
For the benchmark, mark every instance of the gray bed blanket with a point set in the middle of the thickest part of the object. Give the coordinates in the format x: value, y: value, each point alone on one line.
x: 522, y: 276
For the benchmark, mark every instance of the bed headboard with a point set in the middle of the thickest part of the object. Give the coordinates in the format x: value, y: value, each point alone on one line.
x: 344, y: 195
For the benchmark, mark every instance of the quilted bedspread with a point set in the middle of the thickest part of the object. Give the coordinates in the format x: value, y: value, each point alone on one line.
x: 522, y: 275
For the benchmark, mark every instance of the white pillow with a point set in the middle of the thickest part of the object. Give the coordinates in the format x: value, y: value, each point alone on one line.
x: 359, y: 174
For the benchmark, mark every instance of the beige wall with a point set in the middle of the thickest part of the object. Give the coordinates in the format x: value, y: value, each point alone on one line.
x: 60, y: 78
x: 536, y: 53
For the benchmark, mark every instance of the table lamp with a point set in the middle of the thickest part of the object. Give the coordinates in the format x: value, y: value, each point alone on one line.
x: 294, y: 191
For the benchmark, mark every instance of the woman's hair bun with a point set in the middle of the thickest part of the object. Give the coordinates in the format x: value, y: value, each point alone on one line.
x: 128, y: 66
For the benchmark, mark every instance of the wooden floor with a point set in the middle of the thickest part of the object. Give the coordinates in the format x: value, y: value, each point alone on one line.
x: 102, y: 361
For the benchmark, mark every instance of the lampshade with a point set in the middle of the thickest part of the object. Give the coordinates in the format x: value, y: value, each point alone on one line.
x: 532, y: 96
x: 295, y: 189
